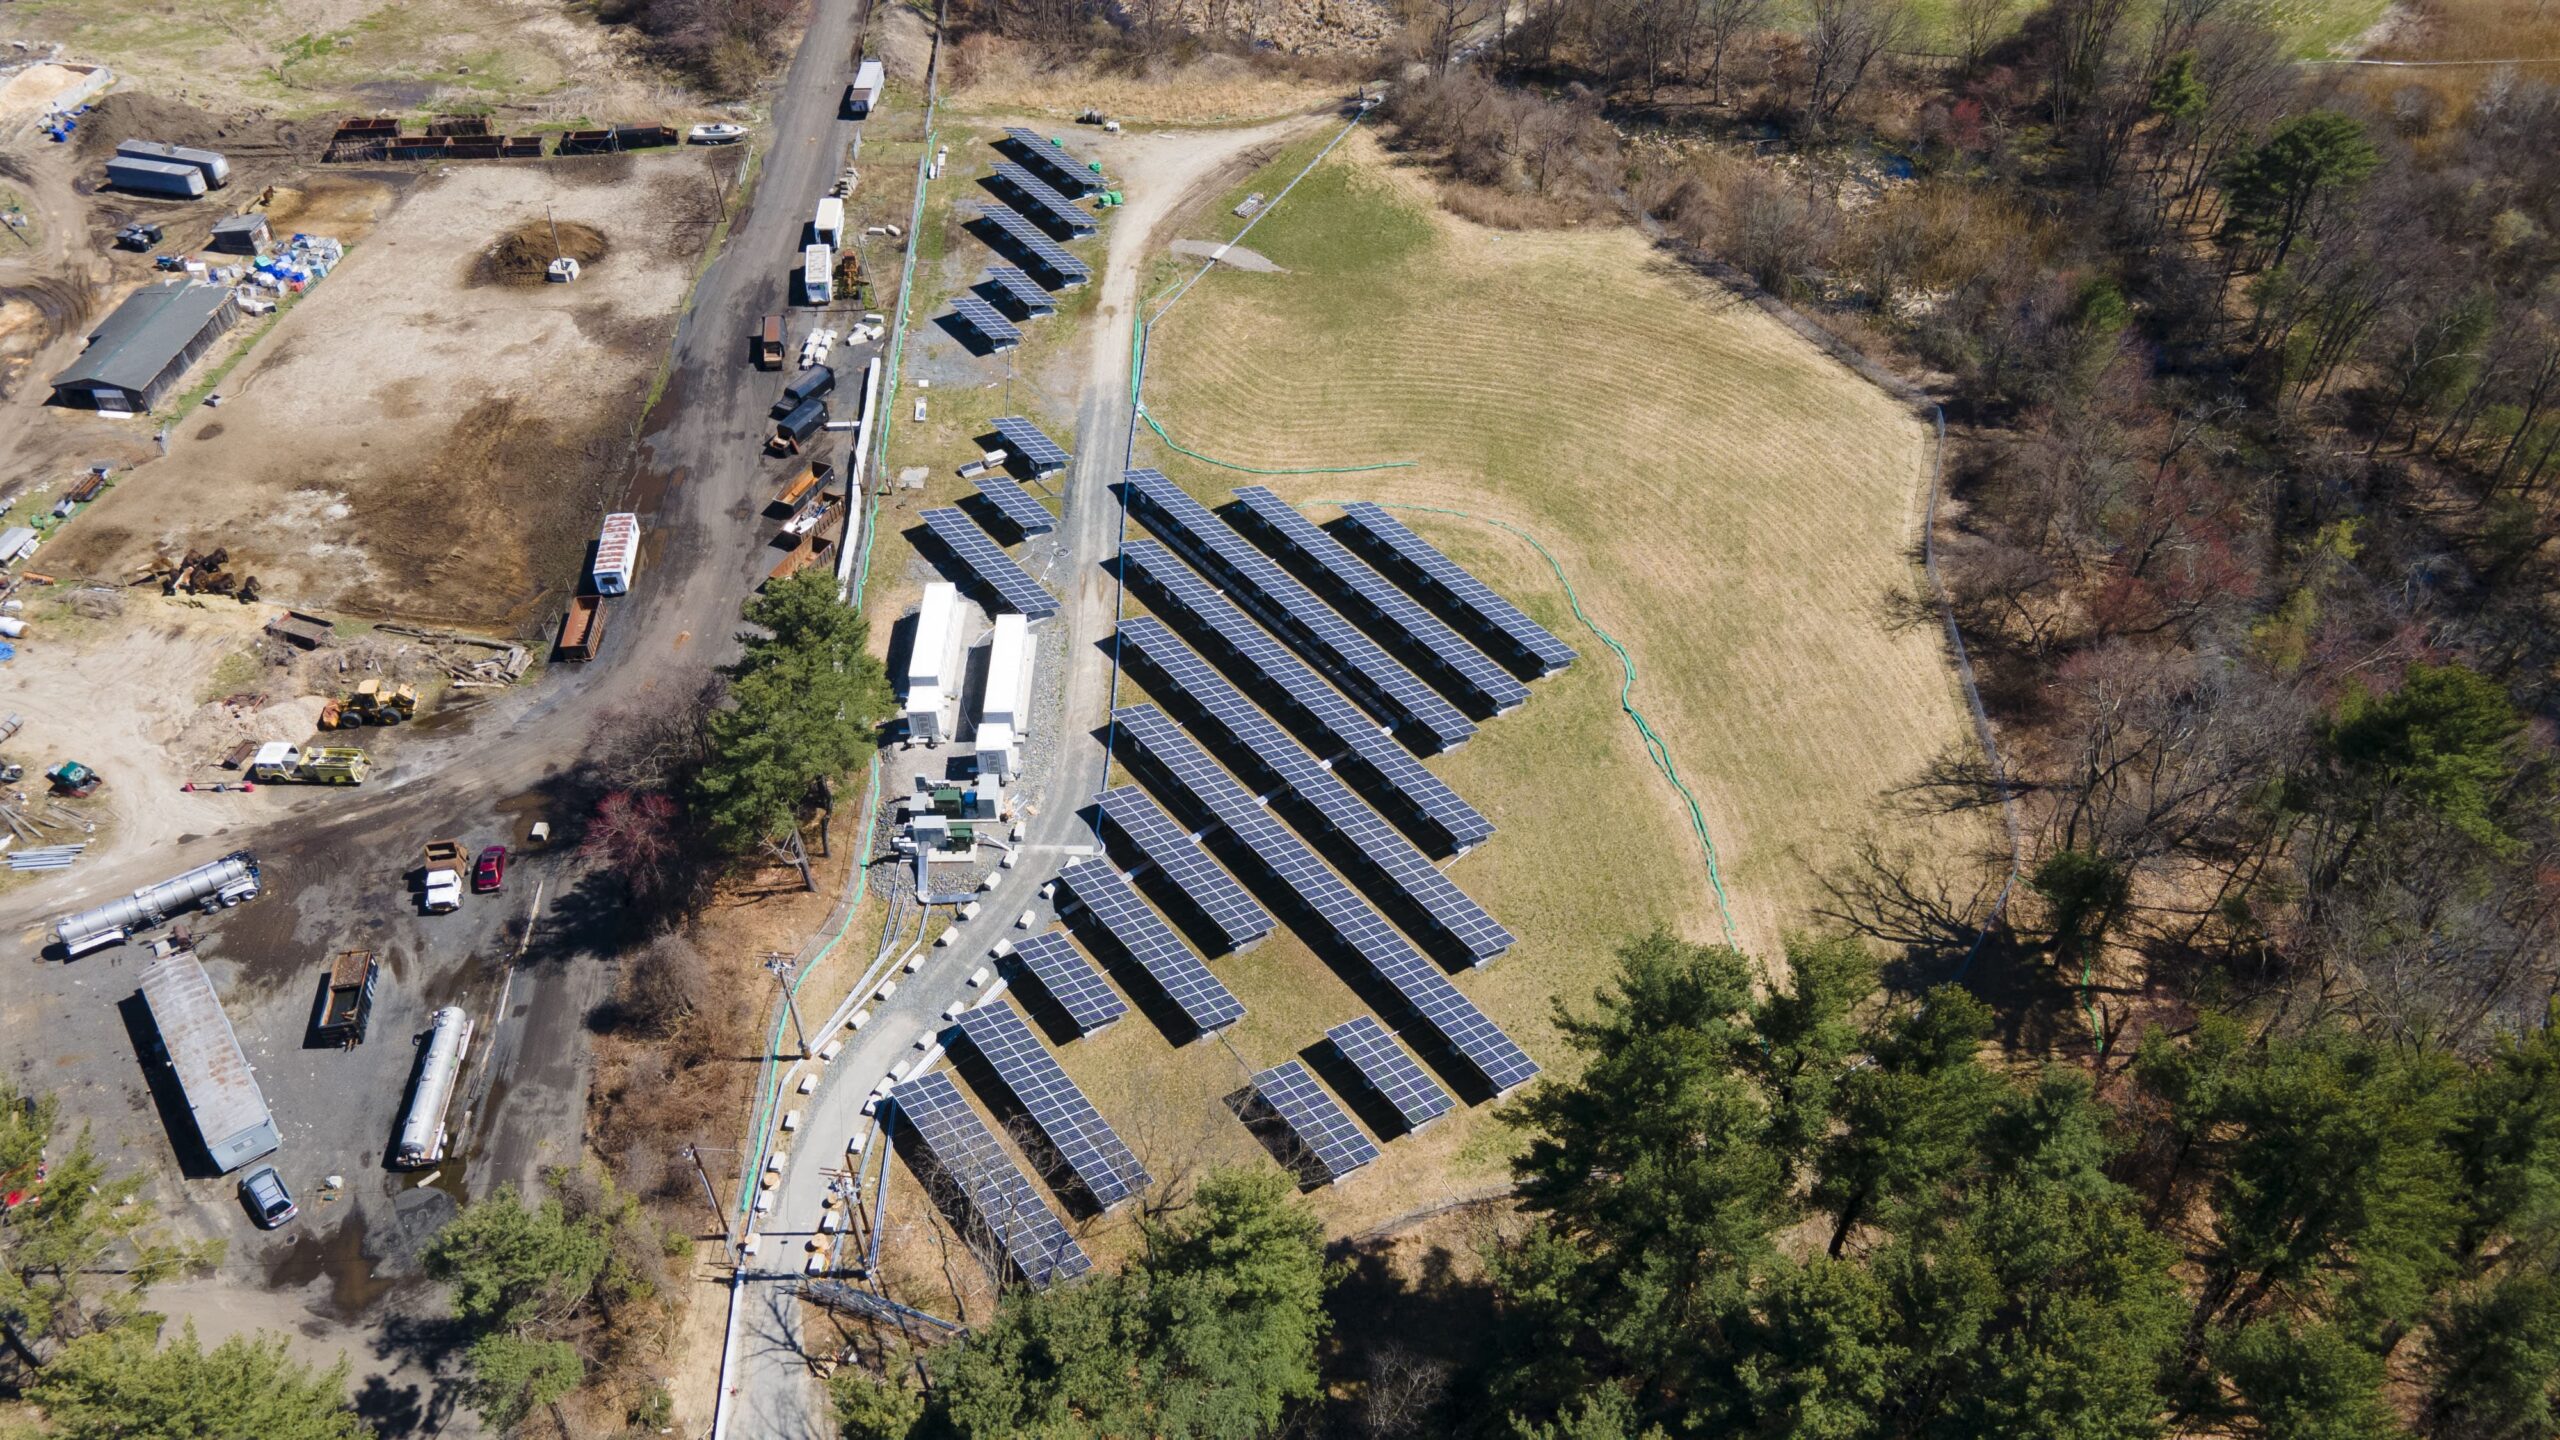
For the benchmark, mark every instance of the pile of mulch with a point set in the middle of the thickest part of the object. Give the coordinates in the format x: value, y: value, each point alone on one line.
x: 524, y: 254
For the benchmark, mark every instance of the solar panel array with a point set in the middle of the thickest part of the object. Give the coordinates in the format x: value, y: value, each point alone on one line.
x: 1317, y: 1119
x: 1044, y: 455
x: 1054, y: 161
x: 1393, y: 866
x: 1315, y: 707
x: 987, y: 320
x: 1045, y: 201
x: 1067, y: 1120
x: 1171, y: 850
x: 966, y: 1152
x: 1386, y: 687
x: 1202, y: 998
x: 1015, y: 503
x: 1436, y: 577
x: 1461, y: 667
x: 1071, y: 981
x: 1295, y: 869
x: 1022, y: 289
x: 1417, y: 1098
x: 1048, y: 253
x: 1016, y: 589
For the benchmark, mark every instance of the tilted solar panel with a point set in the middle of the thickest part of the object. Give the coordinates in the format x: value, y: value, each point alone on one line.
x: 1203, y: 999
x: 1167, y: 847
x: 1394, y: 872
x: 1443, y: 582
x: 1420, y: 800
x: 1461, y: 668
x: 1293, y: 869
x: 1063, y: 169
x: 1002, y: 1200
x: 970, y: 545
x: 1015, y: 503
x: 1045, y: 252
x: 1066, y: 1119
x: 1022, y: 290
x: 1419, y: 713
x: 1070, y: 980
x: 1365, y: 1043
x: 1042, y: 199
x: 989, y: 322
x: 1044, y: 455
x: 1334, y: 1143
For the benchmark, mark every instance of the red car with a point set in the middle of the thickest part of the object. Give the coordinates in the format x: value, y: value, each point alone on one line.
x: 489, y: 874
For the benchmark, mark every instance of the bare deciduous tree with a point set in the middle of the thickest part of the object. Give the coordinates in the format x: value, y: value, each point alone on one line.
x: 1842, y: 43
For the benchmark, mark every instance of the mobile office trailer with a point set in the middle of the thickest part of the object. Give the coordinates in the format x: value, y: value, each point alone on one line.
x: 231, y: 880
x: 203, y: 1053
x: 828, y: 227
x: 811, y: 383
x: 868, y: 80
x: 818, y: 274
x: 617, y: 553
x: 155, y: 177
x: 933, y: 663
x: 215, y: 169
x: 422, y: 1127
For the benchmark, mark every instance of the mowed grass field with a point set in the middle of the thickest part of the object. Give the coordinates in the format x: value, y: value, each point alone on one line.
x: 1730, y: 503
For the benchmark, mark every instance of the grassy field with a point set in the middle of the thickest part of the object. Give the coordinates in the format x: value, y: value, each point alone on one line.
x: 1728, y: 502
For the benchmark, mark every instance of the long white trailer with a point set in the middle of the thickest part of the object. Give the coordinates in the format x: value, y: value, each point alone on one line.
x: 422, y: 1127
x: 203, y: 1052
x: 933, y: 664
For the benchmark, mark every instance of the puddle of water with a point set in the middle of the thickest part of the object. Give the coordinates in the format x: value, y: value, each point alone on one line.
x: 340, y: 1259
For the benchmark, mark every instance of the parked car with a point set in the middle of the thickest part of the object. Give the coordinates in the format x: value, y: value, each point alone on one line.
x: 267, y: 1198
x: 489, y: 876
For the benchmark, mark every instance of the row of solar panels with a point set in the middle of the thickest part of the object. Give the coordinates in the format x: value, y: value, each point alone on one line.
x: 1001, y: 576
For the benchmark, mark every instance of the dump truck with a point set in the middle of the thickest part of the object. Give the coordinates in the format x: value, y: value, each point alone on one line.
x: 348, y: 1002
x: 443, y: 876
x: 769, y: 343
x: 812, y: 476
x: 371, y: 703
x: 320, y: 765
x: 582, y: 629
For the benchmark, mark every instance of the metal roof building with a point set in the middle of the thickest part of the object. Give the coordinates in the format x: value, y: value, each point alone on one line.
x: 141, y: 349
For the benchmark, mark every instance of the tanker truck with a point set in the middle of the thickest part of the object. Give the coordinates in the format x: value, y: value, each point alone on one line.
x: 231, y: 880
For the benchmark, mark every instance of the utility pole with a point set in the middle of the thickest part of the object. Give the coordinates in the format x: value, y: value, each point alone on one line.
x: 782, y: 966
x: 711, y: 1194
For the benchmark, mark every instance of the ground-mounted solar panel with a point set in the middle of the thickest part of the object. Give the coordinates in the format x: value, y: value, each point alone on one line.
x: 1496, y: 623
x: 1044, y: 201
x: 1044, y: 253
x: 1015, y: 589
x: 1044, y: 455
x: 982, y: 1175
x: 989, y: 322
x: 1015, y: 504
x: 1365, y: 1044
x: 1179, y: 858
x: 1201, y: 997
x: 1389, y: 868
x: 1460, y: 668
x: 1333, y: 1143
x: 1294, y: 870
x: 1394, y: 694
x: 1419, y: 800
x: 1026, y: 293
x: 1071, y: 981
x: 1083, y: 1140
x: 1052, y: 160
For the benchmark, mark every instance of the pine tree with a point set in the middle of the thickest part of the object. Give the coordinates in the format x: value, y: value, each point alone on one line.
x: 121, y: 1384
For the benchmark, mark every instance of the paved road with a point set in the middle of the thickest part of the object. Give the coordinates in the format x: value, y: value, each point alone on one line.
x: 484, y: 772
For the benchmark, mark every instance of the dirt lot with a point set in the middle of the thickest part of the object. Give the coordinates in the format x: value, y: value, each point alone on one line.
x: 412, y: 439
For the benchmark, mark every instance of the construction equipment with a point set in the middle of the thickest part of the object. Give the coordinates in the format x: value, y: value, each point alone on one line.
x: 319, y: 765
x: 74, y: 779
x: 371, y: 703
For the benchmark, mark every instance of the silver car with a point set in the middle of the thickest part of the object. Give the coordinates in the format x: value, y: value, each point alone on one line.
x: 267, y: 1198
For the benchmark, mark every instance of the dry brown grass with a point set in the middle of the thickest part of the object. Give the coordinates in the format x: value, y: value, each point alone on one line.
x: 2473, y: 30
x: 995, y: 77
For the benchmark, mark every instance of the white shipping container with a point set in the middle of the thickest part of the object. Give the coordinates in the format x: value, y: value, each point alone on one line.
x: 933, y: 663
x: 1009, y: 662
x: 617, y: 554
x: 829, y: 224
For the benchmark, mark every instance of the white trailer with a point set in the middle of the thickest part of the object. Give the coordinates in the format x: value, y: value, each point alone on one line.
x: 828, y: 227
x: 617, y: 553
x: 818, y: 274
x: 933, y: 665
x: 228, y: 881
x: 868, y: 80
x: 197, y: 1043
x: 1004, y: 712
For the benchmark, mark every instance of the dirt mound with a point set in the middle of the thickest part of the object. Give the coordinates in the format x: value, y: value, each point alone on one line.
x: 132, y: 115
x: 524, y: 254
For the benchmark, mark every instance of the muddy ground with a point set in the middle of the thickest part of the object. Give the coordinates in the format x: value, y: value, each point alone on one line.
x: 414, y: 441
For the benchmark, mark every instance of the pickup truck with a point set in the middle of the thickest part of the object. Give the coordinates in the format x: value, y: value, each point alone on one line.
x: 444, y: 876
